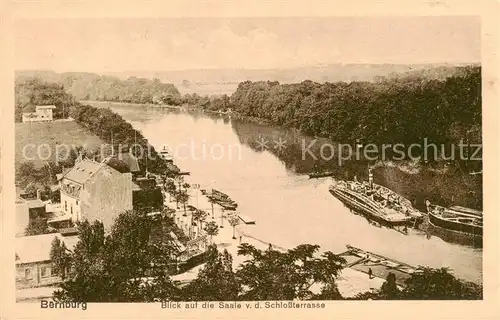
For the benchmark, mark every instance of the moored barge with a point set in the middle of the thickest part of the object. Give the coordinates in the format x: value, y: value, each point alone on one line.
x: 316, y: 175
x: 456, y: 218
x: 222, y: 199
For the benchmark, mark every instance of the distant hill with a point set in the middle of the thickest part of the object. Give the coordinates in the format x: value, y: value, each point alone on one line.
x: 321, y: 74
x: 215, y: 81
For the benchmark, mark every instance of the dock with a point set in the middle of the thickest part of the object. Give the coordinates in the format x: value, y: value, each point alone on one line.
x: 361, y: 260
x: 246, y: 219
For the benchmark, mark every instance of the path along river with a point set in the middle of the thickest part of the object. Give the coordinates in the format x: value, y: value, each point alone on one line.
x: 289, y: 208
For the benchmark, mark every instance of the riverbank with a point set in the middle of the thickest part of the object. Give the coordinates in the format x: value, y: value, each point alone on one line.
x: 350, y: 282
x: 288, y: 207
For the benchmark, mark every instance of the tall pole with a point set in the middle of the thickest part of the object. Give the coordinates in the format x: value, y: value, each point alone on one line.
x: 112, y: 144
x: 222, y: 218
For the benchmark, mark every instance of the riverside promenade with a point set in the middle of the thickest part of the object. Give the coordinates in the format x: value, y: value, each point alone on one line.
x: 350, y: 282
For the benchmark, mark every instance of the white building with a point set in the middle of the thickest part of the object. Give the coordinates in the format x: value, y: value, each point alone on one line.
x: 96, y: 191
x: 42, y: 114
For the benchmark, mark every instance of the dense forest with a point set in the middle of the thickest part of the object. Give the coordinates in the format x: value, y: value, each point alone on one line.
x: 107, y: 88
x: 90, y: 86
x: 405, y: 110
x: 32, y: 92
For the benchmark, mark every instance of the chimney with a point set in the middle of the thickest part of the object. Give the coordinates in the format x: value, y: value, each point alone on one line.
x: 79, y: 158
x: 38, y: 194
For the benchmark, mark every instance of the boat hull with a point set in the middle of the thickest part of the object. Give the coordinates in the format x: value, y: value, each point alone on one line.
x: 320, y: 175
x: 455, y: 226
x: 367, y: 211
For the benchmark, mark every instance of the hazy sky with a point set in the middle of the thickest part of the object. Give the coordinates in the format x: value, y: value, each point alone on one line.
x: 253, y: 43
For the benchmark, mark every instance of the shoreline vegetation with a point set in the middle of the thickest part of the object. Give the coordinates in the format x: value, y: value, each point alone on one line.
x: 113, y: 268
x: 448, y: 184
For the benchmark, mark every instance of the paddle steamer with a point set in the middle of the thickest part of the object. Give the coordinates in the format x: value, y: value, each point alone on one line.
x: 376, y: 202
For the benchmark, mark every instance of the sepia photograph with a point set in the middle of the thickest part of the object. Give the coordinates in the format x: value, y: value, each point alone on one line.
x: 247, y: 162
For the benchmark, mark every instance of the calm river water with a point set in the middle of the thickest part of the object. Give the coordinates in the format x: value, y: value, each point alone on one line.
x: 289, y: 208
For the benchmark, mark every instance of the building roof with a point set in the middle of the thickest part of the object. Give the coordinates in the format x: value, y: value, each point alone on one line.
x: 30, y: 114
x: 130, y: 160
x: 83, y: 170
x: 37, y: 248
x: 46, y: 107
x: 172, y: 167
x: 35, y: 203
x: 117, y: 164
x: 68, y: 231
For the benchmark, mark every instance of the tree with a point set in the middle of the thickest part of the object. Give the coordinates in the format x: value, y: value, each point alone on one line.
x: 60, y: 257
x: 439, y: 284
x: 275, y: 275
x: 90, y: 282
x: 113, y: 268
x: 26, y: 173
x: 199, y: 216
x: 234, y: 221
x: 37, y: 226
x: 216, y: 281
x: 182, y: 197
x: 426, y: 284
x: 389, y: 289
x: 170, y: 188
x: 30, y: 92
x: 212, y: 229
x: 212, y: 201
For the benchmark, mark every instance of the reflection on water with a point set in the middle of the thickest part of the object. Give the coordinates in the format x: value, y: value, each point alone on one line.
x: 289, y: 208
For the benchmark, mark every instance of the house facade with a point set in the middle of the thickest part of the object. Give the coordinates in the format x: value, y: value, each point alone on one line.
x: 33, y: 264
x: 42, y: 114
x: 95, y: 191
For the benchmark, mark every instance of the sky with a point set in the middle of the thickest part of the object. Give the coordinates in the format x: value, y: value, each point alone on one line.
x: 111, y: 45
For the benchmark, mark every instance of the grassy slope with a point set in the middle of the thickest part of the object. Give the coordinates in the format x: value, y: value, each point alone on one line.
x: 68, y: 133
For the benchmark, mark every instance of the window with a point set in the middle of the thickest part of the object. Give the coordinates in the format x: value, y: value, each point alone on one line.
x: 45, y: 272
x: 27, y: 274
x: 76, y: 202
x: 65, y: 205
x: 70, y: 270
x: 71, y: 209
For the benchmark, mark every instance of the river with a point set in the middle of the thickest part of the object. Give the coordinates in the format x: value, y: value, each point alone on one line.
x: 289, y: 208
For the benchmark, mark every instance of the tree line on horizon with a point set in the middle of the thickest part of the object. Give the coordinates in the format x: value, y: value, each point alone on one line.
x: 397, y: 110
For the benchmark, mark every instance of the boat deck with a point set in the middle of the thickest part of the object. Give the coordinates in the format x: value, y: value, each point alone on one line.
x: 381, y: 266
